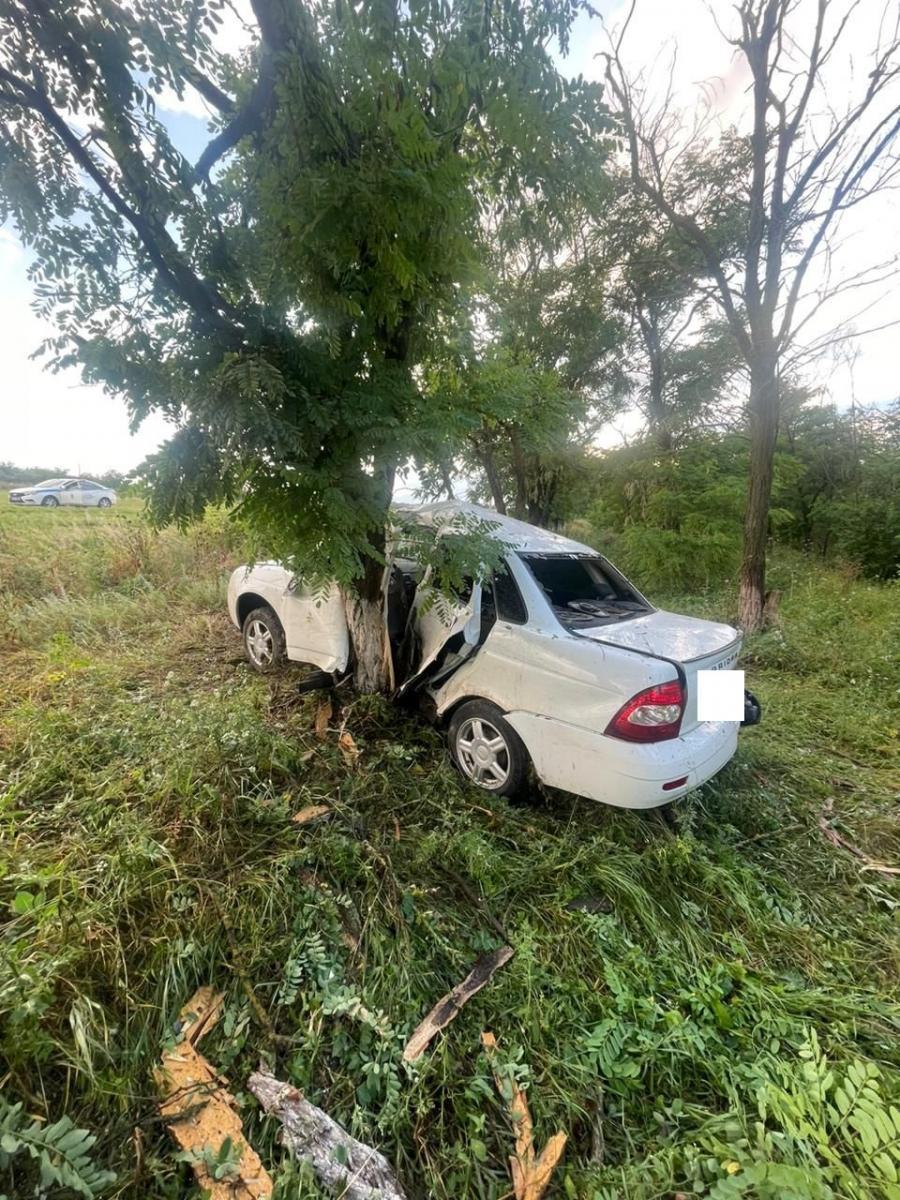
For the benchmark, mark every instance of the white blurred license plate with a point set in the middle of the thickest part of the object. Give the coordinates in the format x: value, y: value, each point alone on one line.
x: 720, y: 694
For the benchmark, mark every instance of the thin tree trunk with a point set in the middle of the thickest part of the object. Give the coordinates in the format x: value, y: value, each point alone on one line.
x: 657, y: 409
x: 520, y: 474
x: 764, y: 405
x: 485, y: 452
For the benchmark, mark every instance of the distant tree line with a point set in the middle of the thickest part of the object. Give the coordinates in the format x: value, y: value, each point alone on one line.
x: 673, y: 520
x: 11, y: 474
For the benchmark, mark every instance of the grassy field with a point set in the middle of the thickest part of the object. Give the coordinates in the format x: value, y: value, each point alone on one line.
x: 712, y: 1010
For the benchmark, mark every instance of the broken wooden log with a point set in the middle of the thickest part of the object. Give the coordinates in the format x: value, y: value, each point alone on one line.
x: 353, y: 1170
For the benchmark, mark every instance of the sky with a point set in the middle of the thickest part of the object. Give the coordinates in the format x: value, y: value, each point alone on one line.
x: 56, y: 421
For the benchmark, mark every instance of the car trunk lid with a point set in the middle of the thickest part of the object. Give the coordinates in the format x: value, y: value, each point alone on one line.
x: 691, y: 643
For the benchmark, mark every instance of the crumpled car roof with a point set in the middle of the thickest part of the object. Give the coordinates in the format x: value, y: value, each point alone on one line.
x: 528, y: 539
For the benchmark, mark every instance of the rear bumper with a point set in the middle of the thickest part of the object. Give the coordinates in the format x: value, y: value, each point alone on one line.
x: 624, y: 774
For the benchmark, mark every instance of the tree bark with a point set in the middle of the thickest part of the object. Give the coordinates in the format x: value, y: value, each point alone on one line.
x: 370, y: 654
x: 367, y: 628
x: 485, y: 452
x: 764, y: 406
x: 520, y: 474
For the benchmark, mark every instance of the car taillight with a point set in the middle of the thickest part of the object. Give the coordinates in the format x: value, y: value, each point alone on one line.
x: 651, y: 716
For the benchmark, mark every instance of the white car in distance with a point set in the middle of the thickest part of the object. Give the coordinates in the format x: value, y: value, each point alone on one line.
x: 556, y: 663
x: 52, y: 493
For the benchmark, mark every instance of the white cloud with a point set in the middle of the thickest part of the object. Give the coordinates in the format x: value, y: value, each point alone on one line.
x: 55, y: 420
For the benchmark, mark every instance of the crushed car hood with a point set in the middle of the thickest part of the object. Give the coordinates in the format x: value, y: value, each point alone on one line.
x: 666, y: 635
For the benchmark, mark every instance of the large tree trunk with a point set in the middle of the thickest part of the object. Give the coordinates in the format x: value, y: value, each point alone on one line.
x: 764, y: 406
x: 366, y: 624
x: 370, y: 654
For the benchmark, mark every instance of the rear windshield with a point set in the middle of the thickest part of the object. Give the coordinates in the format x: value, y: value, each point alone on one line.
x: 584, y: 591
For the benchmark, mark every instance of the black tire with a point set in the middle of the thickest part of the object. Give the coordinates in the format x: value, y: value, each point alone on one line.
x: 475, y: 730
x: 49, y: 502
x: 104, y: 502
x: 263, y: 640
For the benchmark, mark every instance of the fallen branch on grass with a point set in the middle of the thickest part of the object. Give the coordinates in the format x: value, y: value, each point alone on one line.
x: 312, y: 812
x: 530, y: 1174
x: 842, y: 843
x: 448, y: 1006
x: 350, y: 1168
x: 201, y: 1115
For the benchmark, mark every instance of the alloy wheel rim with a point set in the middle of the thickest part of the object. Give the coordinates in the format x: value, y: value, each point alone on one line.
x: 260, y: 643
x: 483, y: 753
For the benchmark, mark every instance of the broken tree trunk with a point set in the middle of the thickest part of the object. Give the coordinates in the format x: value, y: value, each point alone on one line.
x: 448, y: 1006
x: 353, y: 1170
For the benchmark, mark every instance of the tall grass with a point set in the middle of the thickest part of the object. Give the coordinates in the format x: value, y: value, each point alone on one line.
x: 677, y: 998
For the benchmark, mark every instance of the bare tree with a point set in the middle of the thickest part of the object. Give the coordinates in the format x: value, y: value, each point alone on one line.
x: 811, y: 158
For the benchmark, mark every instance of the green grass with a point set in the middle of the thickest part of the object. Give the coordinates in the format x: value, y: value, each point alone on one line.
x: 677, y: 992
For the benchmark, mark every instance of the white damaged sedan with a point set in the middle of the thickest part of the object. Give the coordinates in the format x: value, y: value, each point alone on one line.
x: 557, y: 663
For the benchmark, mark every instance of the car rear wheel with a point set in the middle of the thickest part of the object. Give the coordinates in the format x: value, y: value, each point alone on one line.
x: 49, y: 502
x: 487, y: 750
x: 104, y: 502
x: 263, y: 640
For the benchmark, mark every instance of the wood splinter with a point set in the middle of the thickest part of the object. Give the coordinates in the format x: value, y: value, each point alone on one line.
x: 448, y: 1006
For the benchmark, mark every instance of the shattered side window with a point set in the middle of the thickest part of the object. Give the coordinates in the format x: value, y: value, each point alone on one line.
x: 510, y: 605
x: 581, y: 591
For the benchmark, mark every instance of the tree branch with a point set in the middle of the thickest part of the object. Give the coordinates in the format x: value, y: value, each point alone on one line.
x: 247, y: 121
x: 201, y: 297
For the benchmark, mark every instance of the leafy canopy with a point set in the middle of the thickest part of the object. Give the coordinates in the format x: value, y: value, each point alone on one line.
x: 276, y: 297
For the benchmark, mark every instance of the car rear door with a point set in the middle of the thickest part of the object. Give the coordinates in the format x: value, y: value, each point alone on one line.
x: 70, y: 493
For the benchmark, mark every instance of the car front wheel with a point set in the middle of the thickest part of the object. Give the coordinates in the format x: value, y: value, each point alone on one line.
x: 49, y: 502
x: 104, y: 502
x: 487, y: 750
x: 263, y: 640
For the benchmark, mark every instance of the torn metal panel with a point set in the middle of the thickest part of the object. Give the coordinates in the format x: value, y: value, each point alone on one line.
x: 314, y: 623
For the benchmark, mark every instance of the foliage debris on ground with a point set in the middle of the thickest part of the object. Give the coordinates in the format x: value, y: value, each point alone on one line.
x: 710, y: 1009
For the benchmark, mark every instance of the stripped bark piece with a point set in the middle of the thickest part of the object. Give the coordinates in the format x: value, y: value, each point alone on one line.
x: 200, y: 1112
x: 323, y: 715
x: 448, y: 1006
x: 353, y: 1170
x: 530, y: 1175
x: 311, y: 812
